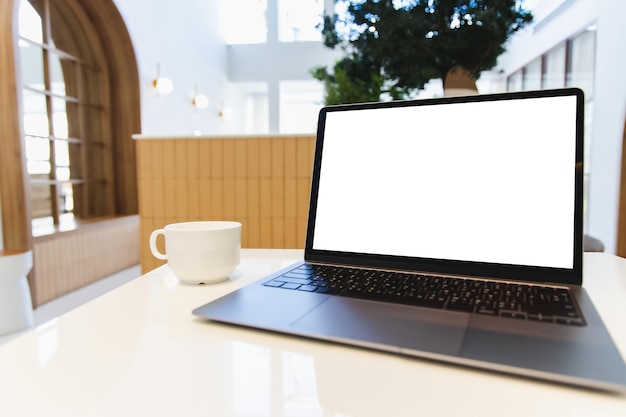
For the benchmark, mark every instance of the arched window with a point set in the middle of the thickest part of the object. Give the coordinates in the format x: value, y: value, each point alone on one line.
x: 65, y: 107
x: 76, y: 106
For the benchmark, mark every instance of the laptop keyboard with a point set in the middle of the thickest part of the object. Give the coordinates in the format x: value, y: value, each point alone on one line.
x: 504, y: 299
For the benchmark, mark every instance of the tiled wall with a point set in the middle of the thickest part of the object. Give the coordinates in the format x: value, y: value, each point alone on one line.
x: 262, y: 182
x: 67, y: 261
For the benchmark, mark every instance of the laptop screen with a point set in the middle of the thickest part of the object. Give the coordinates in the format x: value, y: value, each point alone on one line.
x: 488, y: 179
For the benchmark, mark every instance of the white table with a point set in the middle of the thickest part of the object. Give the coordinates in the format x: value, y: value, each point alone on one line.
x: 138, y: 351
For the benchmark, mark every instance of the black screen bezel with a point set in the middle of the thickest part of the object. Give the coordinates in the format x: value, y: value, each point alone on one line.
x: 569, y: 276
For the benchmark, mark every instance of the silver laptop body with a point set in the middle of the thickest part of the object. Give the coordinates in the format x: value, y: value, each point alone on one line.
x: 483, y: 191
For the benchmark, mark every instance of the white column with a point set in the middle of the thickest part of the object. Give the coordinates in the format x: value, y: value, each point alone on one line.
x: 329, y: 7
x: 273, y: 85
x: 271, y: 18
x: 273, y: 99
x: 608, y: 126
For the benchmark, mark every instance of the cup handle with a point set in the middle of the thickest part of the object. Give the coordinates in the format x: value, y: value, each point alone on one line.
x: 153, y: 246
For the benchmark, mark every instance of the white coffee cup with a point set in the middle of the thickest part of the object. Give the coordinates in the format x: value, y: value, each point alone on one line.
x: 202, y: 252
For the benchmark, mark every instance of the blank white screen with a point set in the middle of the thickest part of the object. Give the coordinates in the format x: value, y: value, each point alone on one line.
x: 483, y: 181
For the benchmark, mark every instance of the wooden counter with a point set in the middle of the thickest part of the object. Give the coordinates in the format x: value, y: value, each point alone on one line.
x: 261, y: 181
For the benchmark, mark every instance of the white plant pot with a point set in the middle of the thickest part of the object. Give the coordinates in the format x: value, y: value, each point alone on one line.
x: 16, y: 308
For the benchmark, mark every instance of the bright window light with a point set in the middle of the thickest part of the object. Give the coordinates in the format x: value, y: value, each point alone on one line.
x: 243, y: 21
x: 298, y: 20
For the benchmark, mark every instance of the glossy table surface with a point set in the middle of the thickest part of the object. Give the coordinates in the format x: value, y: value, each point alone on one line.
x: 138, y: 351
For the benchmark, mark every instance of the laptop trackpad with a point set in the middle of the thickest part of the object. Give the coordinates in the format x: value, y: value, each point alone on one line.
x: 392, y: 327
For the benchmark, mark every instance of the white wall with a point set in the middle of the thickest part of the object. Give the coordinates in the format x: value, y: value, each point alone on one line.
x: 274, y: 62
x: 555, y: 21
x: 608, y: 118
x: 183, y: 37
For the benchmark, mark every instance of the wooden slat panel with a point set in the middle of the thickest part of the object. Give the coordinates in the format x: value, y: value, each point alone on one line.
x: 193, y: 157
x: 204, y: 157
x: 278, y: 198
x: 158, y: 196
x: 228, y: 199
x: 71, y: 260
x: 278, y: 232
x: 253, y: 158
x: 194, y: 201
x: 278, y: 158
x: 216, y: 155
x: 145, y: 197
x: 253, y: 227
x: 241, y: 198
x: 144, y: 160
x: 289, y: 157
x: 241, y: 152
x: 265, y: 158
x: 206, y: 197
x: 291, y: 233
x: 265, y: 203
x: 168, y: 164
x: 262, y: 182
x: 291, y: 198
x: 146, y: 227
x: 169, y: 197
x: 217, y: 199
x: 180, y: 158
x: 182, y: 201
x: 228, y: 158
x: 266, y: 232
x: 253, y: 212
x: 15, y: 219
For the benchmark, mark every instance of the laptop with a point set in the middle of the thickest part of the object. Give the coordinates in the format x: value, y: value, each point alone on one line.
x: 448, y: 229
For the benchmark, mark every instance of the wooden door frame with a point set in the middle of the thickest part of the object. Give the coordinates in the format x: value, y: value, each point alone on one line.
x: 621, y: 225
x: 14, y: 200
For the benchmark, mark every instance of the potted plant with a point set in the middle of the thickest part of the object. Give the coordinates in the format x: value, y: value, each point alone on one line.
x: 394, y: 47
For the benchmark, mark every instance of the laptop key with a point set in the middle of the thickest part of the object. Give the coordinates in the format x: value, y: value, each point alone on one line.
x: 292, y: 280
x: 487, y: 311
x: 432, y: 302
x: 513, y: 315
x: 299, y: 273
x: 540, y: 317
x: 552, y: 309
x: 326, y: 290
x: 460, y: 305
x: 290, y: 286
x: 510, y: 300
x: 569, y: 321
